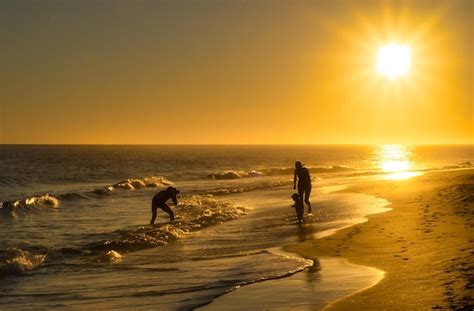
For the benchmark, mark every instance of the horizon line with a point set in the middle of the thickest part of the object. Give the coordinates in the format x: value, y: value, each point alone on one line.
x: 251, y: 144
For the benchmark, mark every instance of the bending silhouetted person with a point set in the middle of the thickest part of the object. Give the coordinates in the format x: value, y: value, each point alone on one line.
x: 159, y: 201
x: 304, y: 183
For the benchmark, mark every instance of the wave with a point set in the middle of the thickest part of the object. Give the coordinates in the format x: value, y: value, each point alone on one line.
x: 314, y: 170
x: 13, y: 181
x: 464, y: 165
x: 15, y: 261
x: 109, y: 257
x: 248, y: 188
x: 335, y: 169
x: 235, y: 174
x: 71, y: 196
x: 34, y: 203
x: 193, y: 213
x: 305, y: 264
x: 134, y: 183
x: 28, y: 205
x: 461, y: 165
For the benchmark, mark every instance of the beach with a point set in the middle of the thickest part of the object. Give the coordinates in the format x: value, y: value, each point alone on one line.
x: 424, y: 244
x: 237, y: 155
x: 234, y: 244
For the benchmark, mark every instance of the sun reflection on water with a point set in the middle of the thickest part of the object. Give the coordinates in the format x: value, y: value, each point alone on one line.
x: 395, y: 161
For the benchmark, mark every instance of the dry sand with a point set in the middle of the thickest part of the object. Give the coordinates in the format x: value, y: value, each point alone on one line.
x: 425, y: 244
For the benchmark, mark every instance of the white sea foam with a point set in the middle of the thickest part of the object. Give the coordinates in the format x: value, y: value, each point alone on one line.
x: 246, y: 188
x: 18, y: 261
x: 110, y: 257
x: 192, y: 214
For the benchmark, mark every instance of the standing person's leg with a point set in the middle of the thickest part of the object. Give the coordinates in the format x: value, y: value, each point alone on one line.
x: 304, y: 192
x: 307, y: 193
x: 168, y: 210
x: 153, y: 214
x: 301, y: 189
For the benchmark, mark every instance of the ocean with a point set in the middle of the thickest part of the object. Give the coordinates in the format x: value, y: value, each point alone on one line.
x: 75, y: 233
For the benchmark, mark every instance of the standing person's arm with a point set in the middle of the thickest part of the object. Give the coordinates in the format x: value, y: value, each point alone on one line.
x: 294, y: 181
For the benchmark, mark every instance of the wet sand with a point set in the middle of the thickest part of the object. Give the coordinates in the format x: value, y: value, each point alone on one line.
x: 304, y: 291
x: 425, y: 244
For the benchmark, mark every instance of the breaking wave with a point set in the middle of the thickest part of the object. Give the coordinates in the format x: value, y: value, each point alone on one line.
x: 193, y: 213
x: 34, y: 203
x: 335, y: 169
x: 235, y: 174
x: 135, y: 183
x: 17, y: 261
x: 109, y: 257
x: 28, y: 205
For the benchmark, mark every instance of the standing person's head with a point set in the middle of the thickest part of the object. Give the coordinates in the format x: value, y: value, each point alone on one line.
x: 298, y: 164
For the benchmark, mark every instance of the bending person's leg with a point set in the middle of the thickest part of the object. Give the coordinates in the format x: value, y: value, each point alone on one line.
x: 153, y: 214
x: 168, y: 210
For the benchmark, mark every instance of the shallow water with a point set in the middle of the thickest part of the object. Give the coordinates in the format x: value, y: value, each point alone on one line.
x: 87, y: 242
x: 312, y: 289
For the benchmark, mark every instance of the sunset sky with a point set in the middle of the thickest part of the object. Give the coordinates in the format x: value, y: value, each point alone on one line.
x: 234, y: 72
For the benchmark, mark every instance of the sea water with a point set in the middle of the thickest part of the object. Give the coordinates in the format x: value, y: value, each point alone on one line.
x: 74, y: 219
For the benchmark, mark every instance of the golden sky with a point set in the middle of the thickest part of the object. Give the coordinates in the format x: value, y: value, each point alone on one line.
x: 234, y: 72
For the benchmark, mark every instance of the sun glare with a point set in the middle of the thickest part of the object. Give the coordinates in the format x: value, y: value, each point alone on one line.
x: 394, y: 160
x: 394, y: 60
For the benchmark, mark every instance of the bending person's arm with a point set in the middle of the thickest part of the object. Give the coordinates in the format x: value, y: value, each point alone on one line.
x: 174, y: 199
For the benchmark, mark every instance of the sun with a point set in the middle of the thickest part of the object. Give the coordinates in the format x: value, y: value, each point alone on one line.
x: 394, y: 60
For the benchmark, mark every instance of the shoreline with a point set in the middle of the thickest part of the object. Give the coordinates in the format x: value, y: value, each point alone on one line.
x: 297, y: 291
x: 410, y: 279
x: 328, y: 272
x: 423, y: 244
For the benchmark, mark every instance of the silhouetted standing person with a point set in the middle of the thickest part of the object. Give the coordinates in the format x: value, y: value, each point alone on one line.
x: 159, y: 201
x: 304, y: 183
